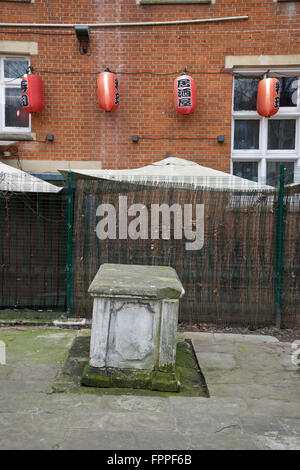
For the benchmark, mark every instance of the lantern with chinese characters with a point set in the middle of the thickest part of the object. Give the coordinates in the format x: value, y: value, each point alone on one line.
x: 32, y: 92
x: 108, y: 91
x: 268, y: 97
x: 185, y: 94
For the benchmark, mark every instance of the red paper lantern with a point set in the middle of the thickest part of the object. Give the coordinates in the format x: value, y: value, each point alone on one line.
x: 32, y: 92
x: 268, y: 97
x: 185, y: 94
x: 108, y: 91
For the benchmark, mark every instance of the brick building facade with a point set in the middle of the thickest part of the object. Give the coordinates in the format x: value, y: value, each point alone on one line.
x: 147, y: 60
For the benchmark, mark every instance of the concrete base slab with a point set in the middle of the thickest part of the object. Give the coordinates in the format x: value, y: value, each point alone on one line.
x: 186, y: 380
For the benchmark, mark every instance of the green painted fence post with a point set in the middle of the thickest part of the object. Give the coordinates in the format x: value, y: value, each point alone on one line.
x: 69, y: 244
x: 279, y: 249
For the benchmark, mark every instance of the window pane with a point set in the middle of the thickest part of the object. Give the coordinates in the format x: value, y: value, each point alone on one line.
x: 281, y: 134
x: 15, y: 68
x: 248, y: 170
x: 245, y: 93
x: 273, y: 172
x: 288, y: 91
x: 246, y: 134
x: 15, y: 116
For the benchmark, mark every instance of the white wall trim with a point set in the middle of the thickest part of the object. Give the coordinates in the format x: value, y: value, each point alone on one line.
x: 232, y: 61
x: 19, y: 47
x: 52, y: 166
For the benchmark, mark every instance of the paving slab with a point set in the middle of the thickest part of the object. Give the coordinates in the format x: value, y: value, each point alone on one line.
x: 274, y: 392
x: 136, y: 403
x: 212, y: 406
x: 225, y: 440
x: 37, y: 438
x: 276, y: 408
x: 147, y: 440
x: 245, y: 376
x: 216, y: 360
x: 279, y: 442
x: 120, y: 421
x: 262, y: 425
x: 290, y: 425
x: 244, y: 339
x: 254, y: 399
x: 85, y: 439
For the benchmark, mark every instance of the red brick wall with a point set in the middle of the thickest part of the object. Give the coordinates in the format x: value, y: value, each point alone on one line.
x: 84, y: 132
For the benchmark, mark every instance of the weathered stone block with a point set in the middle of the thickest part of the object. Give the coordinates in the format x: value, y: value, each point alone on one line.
x: 134, y: 325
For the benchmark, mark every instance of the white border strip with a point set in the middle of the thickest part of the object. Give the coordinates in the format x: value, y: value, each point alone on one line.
x: 117, y: 25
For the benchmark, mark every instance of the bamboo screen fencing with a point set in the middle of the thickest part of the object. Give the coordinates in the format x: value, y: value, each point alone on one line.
x: 232, y: 280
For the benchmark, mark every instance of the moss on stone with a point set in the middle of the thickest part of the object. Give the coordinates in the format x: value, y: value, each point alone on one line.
x: 93, y: 377
x: 41, y: 345
x: 129, y: 378
x: 167, y: 368
x: 77, y: 362
x: 165, y: 382
x: 155, y: 282
x: 184, y: 355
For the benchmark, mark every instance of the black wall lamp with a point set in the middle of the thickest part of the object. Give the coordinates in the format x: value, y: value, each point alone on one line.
x: 50, y: 138
x: 221, y: 139
x: 135, y: 138
x: 83, y: 36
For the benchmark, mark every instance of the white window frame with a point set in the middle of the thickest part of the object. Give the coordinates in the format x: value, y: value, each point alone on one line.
x: 10, y: 83
x: 263, y: 155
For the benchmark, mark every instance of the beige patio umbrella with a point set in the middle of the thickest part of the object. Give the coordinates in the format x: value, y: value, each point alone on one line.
x: 175, y: 171
x: 14, y: 180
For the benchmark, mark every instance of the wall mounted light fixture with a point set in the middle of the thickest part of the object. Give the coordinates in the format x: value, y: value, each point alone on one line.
x: 83, y: 36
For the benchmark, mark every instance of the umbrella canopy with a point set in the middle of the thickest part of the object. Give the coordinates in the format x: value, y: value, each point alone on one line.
x: 175, y: 171
x: 14, y: 180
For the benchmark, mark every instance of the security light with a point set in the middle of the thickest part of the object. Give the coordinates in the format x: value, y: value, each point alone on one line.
x: 83, y: 36
x: 82, y: 32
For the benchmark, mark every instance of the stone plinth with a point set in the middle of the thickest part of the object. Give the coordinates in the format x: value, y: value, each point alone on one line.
x: 135, y: 315
x: 2, y: 353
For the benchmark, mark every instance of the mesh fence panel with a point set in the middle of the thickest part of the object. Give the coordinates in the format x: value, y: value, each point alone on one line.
x: 231, y: 280
x: 33, y: 250
x: 290, y: 305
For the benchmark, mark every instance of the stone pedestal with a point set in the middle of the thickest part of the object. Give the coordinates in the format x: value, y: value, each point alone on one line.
x: 135, y: 315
